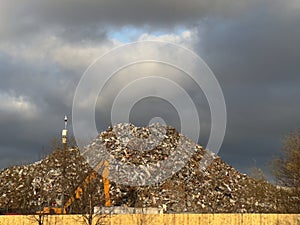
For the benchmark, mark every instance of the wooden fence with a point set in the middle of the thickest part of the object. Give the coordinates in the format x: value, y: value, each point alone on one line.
x: 163, y: 219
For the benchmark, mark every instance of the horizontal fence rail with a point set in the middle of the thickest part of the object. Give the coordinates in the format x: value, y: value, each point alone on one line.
x: 161, y: 219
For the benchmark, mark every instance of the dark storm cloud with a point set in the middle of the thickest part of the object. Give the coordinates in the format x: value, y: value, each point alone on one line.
x: 129, y: 11
x: 78, y: 17
x: 256, y: 59
x: 33, y: 99
x: 251, y: 46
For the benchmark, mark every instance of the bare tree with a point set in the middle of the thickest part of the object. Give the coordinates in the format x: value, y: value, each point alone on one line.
x: 40, y: 219
x: 70, y: 175
x: 57, y: 185
x: 36, y: 211
x: 90, y: 194
x: 286, y: 169
x: 56, y: 143
x: 257, y: 174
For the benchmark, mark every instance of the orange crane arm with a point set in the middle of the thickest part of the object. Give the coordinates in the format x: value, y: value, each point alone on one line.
x: 106, y: 184
x: 88, y: 179
x: 78, y: 191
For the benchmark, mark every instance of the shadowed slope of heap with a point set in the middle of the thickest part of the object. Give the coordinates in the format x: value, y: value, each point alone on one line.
x: 217, y: 188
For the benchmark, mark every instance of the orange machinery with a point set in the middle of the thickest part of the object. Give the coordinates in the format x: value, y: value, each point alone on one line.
x: 79, y: 190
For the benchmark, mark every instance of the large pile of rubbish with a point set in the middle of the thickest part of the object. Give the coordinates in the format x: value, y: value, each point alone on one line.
x: 30, y: 187
x: 151, y: 166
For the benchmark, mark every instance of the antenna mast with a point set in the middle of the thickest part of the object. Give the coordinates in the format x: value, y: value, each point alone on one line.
x: 64, y: 134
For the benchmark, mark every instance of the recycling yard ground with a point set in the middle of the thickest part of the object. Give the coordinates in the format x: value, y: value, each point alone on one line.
x: 166, y: 219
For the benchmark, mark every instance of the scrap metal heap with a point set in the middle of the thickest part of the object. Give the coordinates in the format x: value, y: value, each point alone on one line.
x: 189, y: 189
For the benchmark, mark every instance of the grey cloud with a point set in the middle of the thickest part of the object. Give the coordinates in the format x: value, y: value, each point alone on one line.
x: 78, y: 17
x: 256, y: 60
x: 251, y: 46
x: 44, y: 86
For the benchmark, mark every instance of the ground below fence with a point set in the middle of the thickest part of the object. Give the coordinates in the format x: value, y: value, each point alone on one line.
x: 162, y: 219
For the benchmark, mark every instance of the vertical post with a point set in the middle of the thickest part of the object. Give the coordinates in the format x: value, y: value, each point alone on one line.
x: 64, y: 137
x: 64, y: 134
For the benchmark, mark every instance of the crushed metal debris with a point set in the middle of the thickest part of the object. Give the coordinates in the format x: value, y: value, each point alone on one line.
x: 141, y: 155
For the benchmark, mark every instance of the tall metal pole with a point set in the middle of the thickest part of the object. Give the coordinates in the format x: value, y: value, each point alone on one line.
x: 64, y: 136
